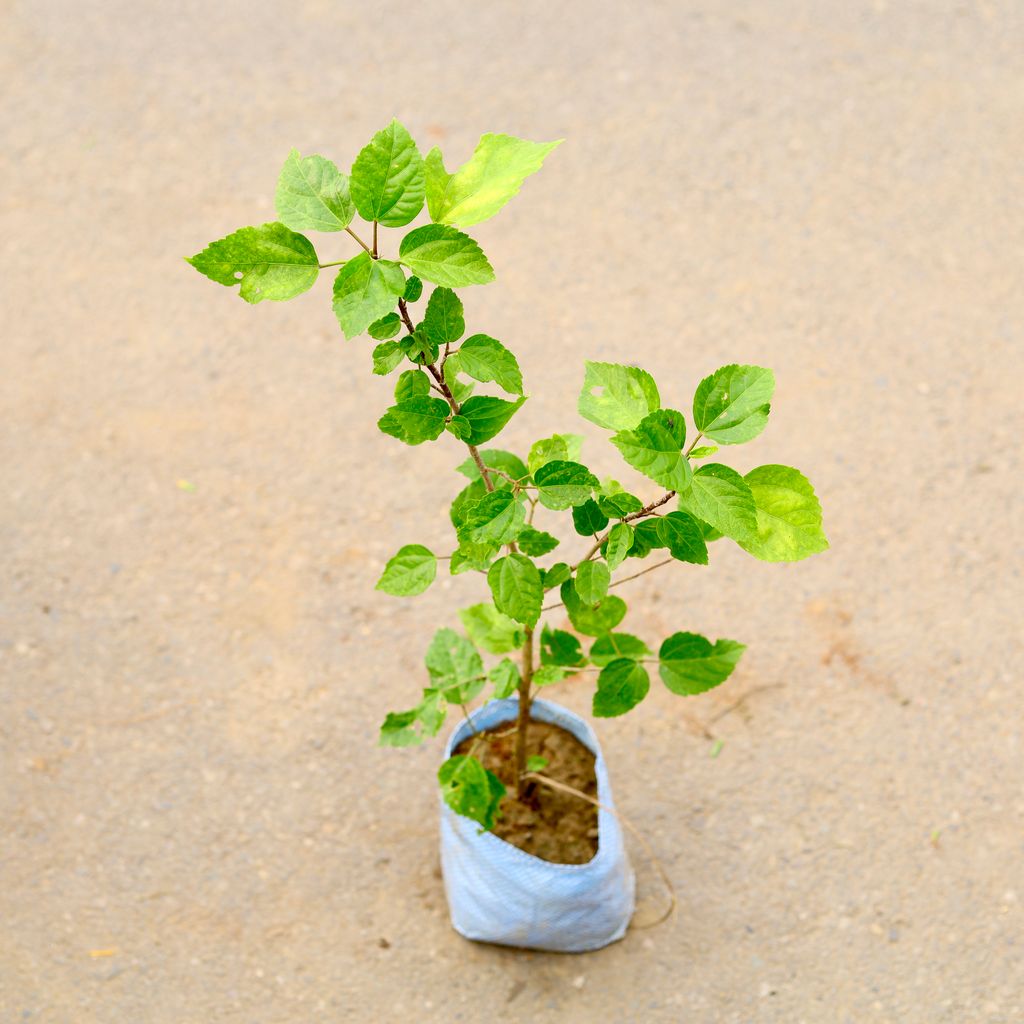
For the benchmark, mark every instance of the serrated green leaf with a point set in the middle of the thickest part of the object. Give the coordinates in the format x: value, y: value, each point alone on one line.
x: 387, y: 178
x: 469, y: 789
x: 592, y: 579
x: 689, y: 663
x: 555, y: 576
x: 619, y: 505
x: 788, y: 515
x: 485, y: 359
x: 562, y: 485
x: 431, y: 712
x: 413, y: 289
x: 505, y: 677
x: 486, y: 182
x: 415, y: 421
x: 516, y: 588
x: 364, y: 291
x: 487, y: 416
x: 445, y: 256
x: 621, y: 685
x: 620, y: 540
x: 312, y: 195
x: 703, y: 451
x: 419, y: 348
x: 592, y: 621
x: 617, y: 645
x: 588, y: 519
x: 409, y: 572
x: 269, y: 262
x: 399, y: 729
x: 720, y: 497
x: 546, y: 675
x: 455, y: 667
x: 682, y: 535
x: 411, y: 384
x: 534, y: 542
x: 490, y: 629
x: 444, y: 320
x: 459, y: 427
x: 386, y: 327
x: 387, y: 357
x: 495, y: 458
x: 617, y: 397
x: 732, y: 404
x: 496, y: 518
x: 548, y: 449
x: 645, y: 538
x: 557, y: 647
x: 654, y: 448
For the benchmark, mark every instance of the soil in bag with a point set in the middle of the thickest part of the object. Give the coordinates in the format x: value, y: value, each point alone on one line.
x: 554, y: 826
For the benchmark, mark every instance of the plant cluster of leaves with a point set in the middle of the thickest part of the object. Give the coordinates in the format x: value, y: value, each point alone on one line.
x: 771, y: 512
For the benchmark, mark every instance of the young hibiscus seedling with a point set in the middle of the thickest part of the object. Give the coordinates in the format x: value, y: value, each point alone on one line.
x: 541, y: 614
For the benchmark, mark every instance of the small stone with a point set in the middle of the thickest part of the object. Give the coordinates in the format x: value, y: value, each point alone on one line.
x: 579, y: 981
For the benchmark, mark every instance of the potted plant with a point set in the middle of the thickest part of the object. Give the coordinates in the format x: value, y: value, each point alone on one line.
x: 531, y: 848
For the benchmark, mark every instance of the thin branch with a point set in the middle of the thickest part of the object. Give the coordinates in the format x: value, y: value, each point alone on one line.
x: 336, y: 263
x: 359, y: 240
x: 374, y: 253
x: 693, y: 444
x: 615, y: 583
x: 645, y: 511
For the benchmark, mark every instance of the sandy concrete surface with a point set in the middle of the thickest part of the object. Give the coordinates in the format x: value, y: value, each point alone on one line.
x: 196, y: 824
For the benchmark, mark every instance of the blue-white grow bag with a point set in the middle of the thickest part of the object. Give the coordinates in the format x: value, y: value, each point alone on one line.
x: 498, y: 893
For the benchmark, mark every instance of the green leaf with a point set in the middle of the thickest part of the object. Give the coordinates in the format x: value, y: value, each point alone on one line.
x: 269, y: 261
x: 682, y: 535
x: 655, y: 448
x: 455, y: 667
x: 496, y: 519
x: 459, y: 427
x: 562, y: 485
x: 413, y: 289
x: 621, y: 685
x: 557, y: 647
x: 545, y: 675
x: 620, y: 540
x: 409, y: 572
x: 490, y: 629
x: 364, y: 291
x: 720, y: 497
x: 415, y: 421
x: 536, y: 763
x: 619, y: 505
x: 419, y: 348
x: 470, y: 789
x: 788, y: 515
x: 386, y: 327
x: 588, y: 519
x: 431, y: 712
x: 592, y: 621
x: 444, y: 320
x: 445, y: 256
x: 516, y: 588
x: 312, y: 195
x: 486, y: 182
x: 535, y: 542
x: 646, y: 538
x: 731, y: 406
x: 411, y: 384
x: 387, y: 178
x: 703, y: 451
x: 487, y: 416
x: 549, y: 449
x: 506, y: 678
x: 592, y: 579
x: 617, y: 645
x: 617, y: 397
x: 555, y: 576
x: 485, y: 359
x: 495, y: 458
x: 399, y: 729
x: 690, y: 663
x: 386, y: 357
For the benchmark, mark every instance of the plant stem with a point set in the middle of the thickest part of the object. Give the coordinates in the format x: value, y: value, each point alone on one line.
x: 336, y: 263
x: 645, y: 511
x: 524, y: 711
x: 359, y: 240
x: 374, y: 253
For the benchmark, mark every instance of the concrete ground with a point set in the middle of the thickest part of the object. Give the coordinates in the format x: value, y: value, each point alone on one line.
x: 196, y: 823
